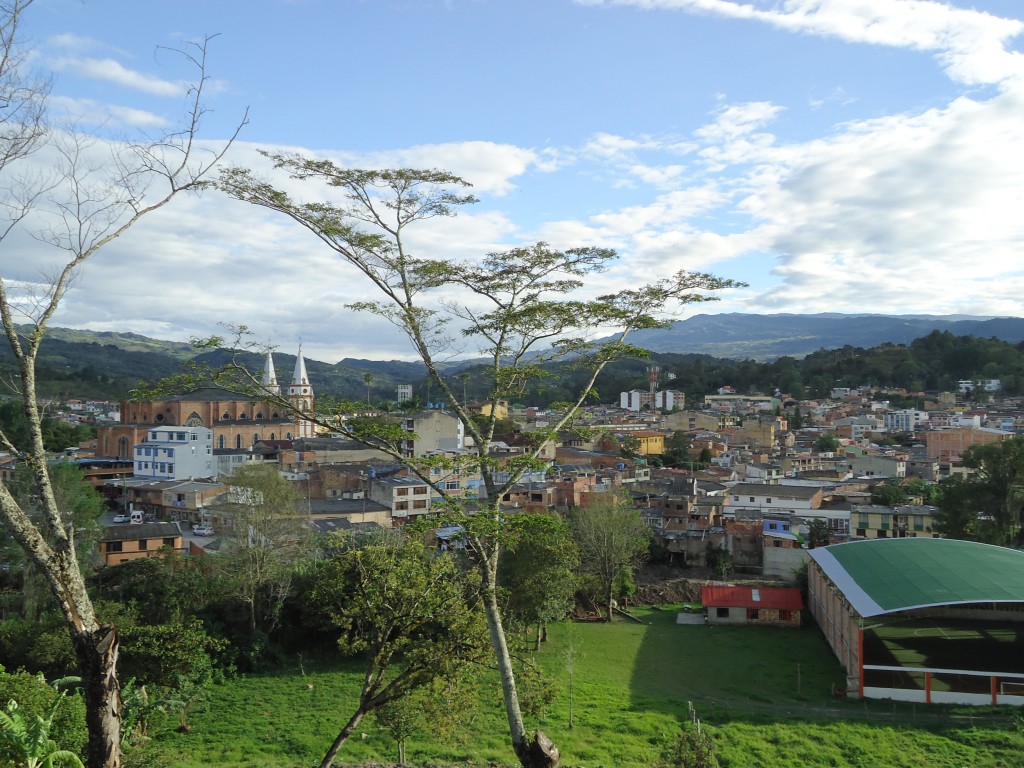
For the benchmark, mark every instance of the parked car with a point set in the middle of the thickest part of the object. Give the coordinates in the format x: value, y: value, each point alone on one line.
x: 122, y: 518
x: 203, y: 530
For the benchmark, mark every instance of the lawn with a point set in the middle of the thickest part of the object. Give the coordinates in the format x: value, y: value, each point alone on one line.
x: 765, y: 695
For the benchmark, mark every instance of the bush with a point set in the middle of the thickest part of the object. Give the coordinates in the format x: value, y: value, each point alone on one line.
x: 36, y: 697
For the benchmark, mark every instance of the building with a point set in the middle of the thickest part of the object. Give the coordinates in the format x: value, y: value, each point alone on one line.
x: 778, y: 606
x: 873, y: 521
x: 774, y: 499
x: 121, y: 543
x: 923, y: 620
x: 948, y: 445
x: 236, y: 421
x: 904, y: 420
x: 175, y: 453
x: 432, y: 430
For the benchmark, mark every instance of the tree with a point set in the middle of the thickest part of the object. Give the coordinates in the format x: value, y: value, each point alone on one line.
x: 77, y: 210
x: 267, y: 539
x: 987, y: 504
x: 368, y: 380
x: 613, y: 541
x: 405, y: 611
x: 888, y: 495
x: 522, y: 310
x: 817, y: 533
x: 538, y: 570
x: 827, y: 442
x: 677, y: 448
x: 957, y: 516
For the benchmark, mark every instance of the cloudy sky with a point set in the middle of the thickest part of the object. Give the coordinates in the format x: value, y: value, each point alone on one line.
x: 837, y: 155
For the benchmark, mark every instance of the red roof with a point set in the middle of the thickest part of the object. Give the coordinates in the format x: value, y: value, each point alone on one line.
x: 781, y: 598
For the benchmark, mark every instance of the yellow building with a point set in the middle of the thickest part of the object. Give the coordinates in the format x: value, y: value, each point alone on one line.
x: 910, y: 521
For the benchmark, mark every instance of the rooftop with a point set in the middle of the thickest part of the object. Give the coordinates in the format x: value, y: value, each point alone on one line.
x: 881, y: 576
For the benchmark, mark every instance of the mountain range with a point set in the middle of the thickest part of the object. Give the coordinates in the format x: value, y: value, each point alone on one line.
x: 763, y: 338
x: 90, y: 364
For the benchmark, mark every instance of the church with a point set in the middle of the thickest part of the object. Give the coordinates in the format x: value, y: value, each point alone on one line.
x: 237, y: 421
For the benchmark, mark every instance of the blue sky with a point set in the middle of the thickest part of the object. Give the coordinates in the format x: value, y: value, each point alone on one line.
x: 837, y: 155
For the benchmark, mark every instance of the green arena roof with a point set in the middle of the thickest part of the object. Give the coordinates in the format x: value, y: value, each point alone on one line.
x: 880, y: 576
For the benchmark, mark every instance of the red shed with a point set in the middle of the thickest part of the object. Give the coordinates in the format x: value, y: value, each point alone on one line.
x: 780, y: 606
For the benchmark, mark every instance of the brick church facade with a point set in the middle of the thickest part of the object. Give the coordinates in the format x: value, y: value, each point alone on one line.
x: 237, y: 422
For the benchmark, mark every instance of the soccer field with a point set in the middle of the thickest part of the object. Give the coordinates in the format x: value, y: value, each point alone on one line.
x: 984, y: 646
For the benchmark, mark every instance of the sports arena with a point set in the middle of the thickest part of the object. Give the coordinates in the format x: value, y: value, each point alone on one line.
x: 923, y: 620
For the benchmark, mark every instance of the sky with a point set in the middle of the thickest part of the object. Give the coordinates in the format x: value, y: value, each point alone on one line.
x: 861, y: 156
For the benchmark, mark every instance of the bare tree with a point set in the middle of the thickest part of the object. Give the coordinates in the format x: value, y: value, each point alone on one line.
x: 76, y: 208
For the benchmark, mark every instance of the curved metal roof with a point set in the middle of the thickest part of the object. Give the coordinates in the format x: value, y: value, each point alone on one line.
x: 880, y: 576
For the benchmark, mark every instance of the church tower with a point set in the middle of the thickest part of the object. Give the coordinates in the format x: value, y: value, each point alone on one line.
x: 269, y: 380
x: 301, y: 395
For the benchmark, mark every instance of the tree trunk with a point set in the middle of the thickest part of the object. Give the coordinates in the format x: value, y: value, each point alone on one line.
x: 541, y: 752
x: 342, y: 738
x: 97, y: 662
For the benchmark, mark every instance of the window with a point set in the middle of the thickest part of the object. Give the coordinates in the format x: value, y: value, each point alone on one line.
x: 169, y: 542
x: 114, y: 546
x: 452, y: 485
x: 419, y: 504
x: 143, y: 545
x: 401, y: 505
x: 170, y: 468
x: 722, y: 613
x: 419, y: 490
x: 179, y: 436
x: 194, y: 436
x: 776, y: 543
x: 401, y: 491
x: 785, y: 615
x: 862, y: 533
x: 153, y: 436
x: 753, y: 614
x: 222, y: 442
x: 768, y: 500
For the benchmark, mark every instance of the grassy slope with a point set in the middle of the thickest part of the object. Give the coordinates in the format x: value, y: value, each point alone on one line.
x: 631, y: 686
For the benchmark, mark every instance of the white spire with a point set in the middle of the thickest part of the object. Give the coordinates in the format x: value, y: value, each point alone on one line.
x: 300, y: 378
x: 269, y: 374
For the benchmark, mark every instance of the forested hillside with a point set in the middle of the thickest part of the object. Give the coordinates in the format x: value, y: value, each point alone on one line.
x: 932, y: 363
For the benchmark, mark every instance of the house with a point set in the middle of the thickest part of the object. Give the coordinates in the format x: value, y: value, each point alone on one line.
x: 763, y: 498
x: 405, y: 496
x: 174, y: 453
x: 432, y: 430
x: 777, y: 606
x: 121, y: 543
x: 873, y: 521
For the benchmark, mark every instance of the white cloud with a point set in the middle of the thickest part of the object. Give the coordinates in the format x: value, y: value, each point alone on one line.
x: 111, y: 71
x: 970, y: 44
x: 94, y: 113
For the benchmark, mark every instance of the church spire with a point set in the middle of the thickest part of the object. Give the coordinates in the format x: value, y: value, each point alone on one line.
x: 300, y: 378
x: 269, y: 380
x: 301, y: 395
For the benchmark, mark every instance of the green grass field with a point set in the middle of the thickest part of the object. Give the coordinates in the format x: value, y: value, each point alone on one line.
x: 765, y: 694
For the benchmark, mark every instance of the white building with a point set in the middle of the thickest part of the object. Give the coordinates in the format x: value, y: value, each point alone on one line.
x: 175, y: 453
x: 664, y: 400
x: 905, y: 420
